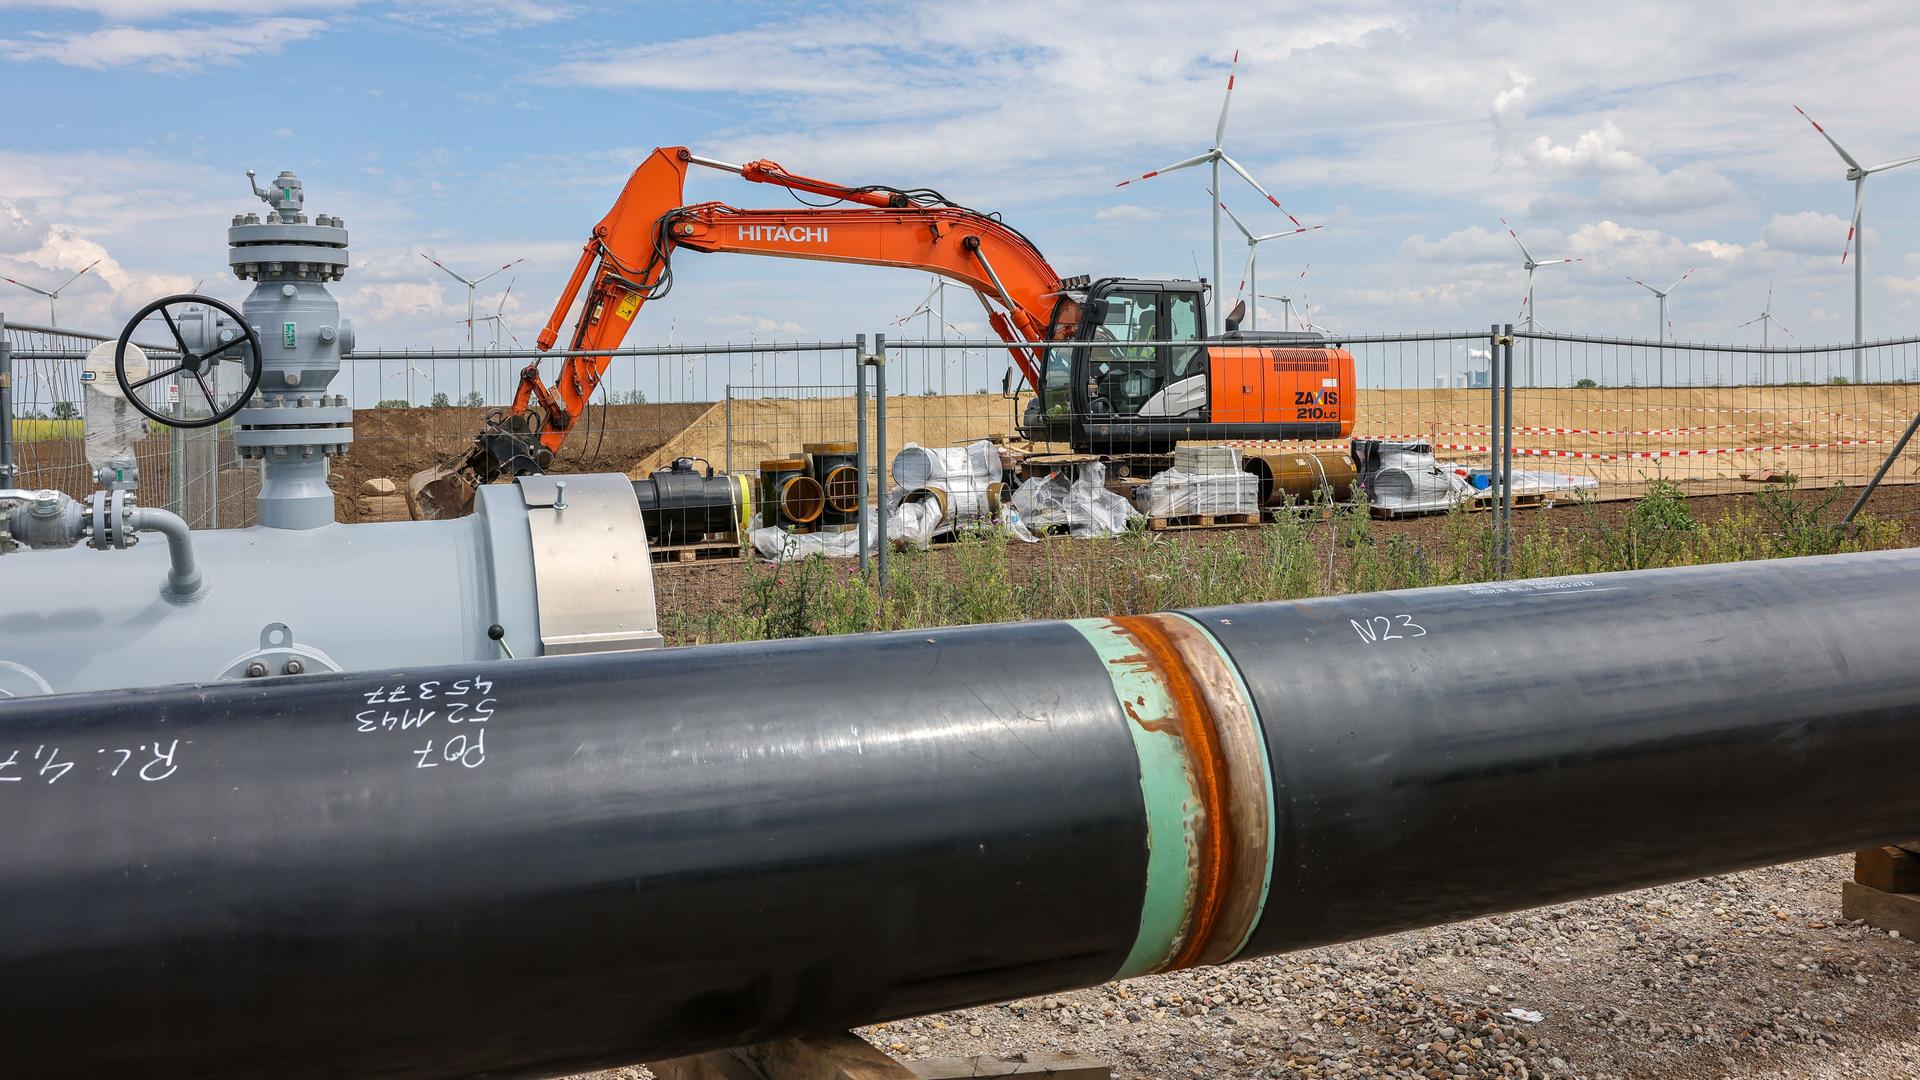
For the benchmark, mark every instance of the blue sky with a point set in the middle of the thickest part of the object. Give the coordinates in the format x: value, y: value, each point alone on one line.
x: 1643, y: 138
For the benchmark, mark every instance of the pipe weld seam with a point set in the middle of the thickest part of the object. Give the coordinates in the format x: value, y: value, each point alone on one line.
x: 1205, y: 785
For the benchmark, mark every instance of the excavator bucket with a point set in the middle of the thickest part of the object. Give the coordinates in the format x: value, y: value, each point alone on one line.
x: 507, y: 446
x: 445, y: 490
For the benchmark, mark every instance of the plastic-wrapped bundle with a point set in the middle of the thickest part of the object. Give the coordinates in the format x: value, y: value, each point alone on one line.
x: 919, y: 466
x: 1085, y: 505
x: 1176, y: 493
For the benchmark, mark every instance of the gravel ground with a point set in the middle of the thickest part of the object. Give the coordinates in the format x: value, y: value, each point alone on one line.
x: 1747, y: 975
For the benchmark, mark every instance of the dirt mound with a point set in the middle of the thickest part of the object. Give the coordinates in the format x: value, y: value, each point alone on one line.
x: 396, y: 443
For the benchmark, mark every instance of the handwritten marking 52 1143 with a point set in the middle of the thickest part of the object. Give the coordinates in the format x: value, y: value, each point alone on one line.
x: 1381, y: 628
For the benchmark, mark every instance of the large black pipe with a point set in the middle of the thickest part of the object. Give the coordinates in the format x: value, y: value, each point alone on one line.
x: 579, y: 861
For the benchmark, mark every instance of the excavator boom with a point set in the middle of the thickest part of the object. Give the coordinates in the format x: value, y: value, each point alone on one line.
x: 627, y: 262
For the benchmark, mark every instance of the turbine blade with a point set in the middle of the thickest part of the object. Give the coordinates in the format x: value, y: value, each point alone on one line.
x: 1289, y: 232
x: 1241, y: 225
x: 1553, y: 262
x: 1245, y: 273
x: 1751, y: 321
x: 76, y: 276
x: 24, y: 285
x: 1844, y: 156
x: 443, y: 266
x: 1769, y: 308
x: 1200, y: 159
x: 1683, y: 277
x: 1643, y: 285
x: 1884, y: 166
x: 1248, y: 177
x: 1516, y: 240
x: 1777, y: 326
x: 1220, y: 129
x: 500, y: 308
x: 1859, y: 196
x: 490, y: 273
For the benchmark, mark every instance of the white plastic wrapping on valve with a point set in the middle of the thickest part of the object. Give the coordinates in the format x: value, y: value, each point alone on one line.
x: 112, y: 423
x: 1084, y: 506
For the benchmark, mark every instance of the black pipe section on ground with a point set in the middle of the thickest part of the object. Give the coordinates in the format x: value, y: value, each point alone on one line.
x: 544, y: 866
x: 680, y: 506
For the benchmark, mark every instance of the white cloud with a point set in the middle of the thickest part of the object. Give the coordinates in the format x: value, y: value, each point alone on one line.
x: 1472, y: 244
x: 180, y: 50
x: 1623, y: 182
x: 1809, y: 232
x: 1127, y: 212
x: 143, y: 10
x: 742, y: 323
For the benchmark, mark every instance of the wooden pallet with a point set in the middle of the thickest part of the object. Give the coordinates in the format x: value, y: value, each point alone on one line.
x: 1532, y: 500
x: 849, y: 1057
x: 1203, y: 521
x: 704, y: 551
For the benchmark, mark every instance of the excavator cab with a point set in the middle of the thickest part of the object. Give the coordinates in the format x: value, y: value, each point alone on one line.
x: 1137, y: 372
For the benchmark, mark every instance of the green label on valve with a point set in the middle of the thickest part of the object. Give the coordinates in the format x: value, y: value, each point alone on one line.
x: 289, y: 334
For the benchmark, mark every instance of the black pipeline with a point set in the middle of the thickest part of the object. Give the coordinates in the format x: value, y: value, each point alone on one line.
x: 544, y: 866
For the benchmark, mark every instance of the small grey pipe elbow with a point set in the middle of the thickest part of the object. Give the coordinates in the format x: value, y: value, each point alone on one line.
x: 185, y: 584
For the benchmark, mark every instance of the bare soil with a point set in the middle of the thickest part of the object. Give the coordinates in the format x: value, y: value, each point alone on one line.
x: 396, y: 443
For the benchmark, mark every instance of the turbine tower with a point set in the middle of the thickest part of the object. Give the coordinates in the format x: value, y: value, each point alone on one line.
x: 1858, y: 174
x: 1215, y: 157
x: 471, y: 284
x: 53, y: 296
x: 1527, y: 305
x: 1249, y: 279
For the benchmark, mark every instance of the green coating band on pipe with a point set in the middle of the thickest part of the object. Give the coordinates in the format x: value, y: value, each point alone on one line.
x: 1173, y: 805
x: 1266, y: 776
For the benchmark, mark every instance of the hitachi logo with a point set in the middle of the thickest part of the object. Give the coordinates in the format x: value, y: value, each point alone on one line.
x: 805, y: 234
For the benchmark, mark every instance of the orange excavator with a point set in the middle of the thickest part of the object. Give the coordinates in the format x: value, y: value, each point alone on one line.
x: 1133, y: 371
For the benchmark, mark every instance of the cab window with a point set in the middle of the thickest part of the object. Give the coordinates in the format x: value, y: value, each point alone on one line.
x: 1183, y: 324
x: 1124, y: 375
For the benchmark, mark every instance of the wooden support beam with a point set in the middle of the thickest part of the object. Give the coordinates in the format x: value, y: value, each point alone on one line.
x: 1886, y: 910
x: 1889, y: 869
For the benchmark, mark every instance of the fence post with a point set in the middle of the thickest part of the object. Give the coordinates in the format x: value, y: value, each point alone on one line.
x: 1493, y: 436
x: 7, y: 467
x: 1506, y: 449
x: 6, y: 410
x: 861, y: 461
x: 176, y: 456
x: 729, y: 430
x: 880, y: 447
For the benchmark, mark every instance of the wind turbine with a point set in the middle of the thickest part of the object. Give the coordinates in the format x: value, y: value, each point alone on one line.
x: 498, y: 319
x: 1858, y: 174
x: 933, y: 307
x: 1766, y: 320
x: 53, y: 296
x: 1665, y: 326
x: 1286, y: 310
x: 410, y: 371
x: 1249, y: 279
x: 471, y: 284
x: 1527, y: 306
x: 1215, y: 157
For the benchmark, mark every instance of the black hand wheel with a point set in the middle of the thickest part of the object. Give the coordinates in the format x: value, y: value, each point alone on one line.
x: 244, y: 349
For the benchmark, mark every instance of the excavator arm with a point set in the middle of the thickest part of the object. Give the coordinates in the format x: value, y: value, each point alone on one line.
x: 627, y: 262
